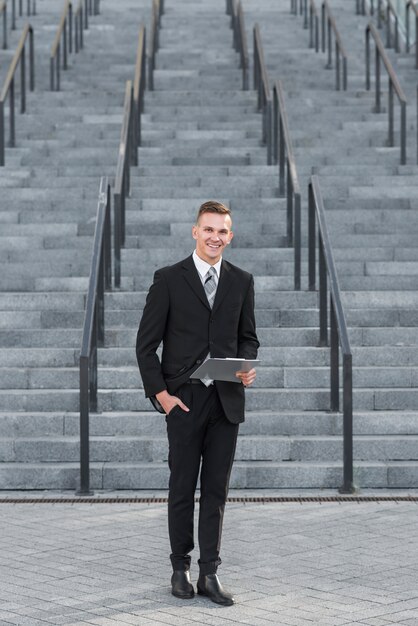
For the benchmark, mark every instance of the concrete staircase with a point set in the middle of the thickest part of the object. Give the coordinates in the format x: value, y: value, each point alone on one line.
x: 371, y: 210
x: 201, y: 140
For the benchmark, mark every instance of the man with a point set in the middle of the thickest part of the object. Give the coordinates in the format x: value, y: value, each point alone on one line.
x: 199, y: 307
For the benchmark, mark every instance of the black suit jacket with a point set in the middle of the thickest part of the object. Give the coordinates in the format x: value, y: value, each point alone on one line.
x: 178, y: 314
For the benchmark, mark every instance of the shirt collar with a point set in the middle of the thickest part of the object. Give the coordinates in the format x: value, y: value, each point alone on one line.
x: 203, y: 267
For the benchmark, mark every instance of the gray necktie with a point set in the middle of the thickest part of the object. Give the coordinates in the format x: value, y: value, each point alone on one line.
x: 210, y: 285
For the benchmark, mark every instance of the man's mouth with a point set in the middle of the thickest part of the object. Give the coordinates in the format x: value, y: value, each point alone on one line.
x: 214, y: 246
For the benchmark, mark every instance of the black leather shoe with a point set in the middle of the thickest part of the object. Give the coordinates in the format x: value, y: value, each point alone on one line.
x: 210, y: 586
x: 181, y: 587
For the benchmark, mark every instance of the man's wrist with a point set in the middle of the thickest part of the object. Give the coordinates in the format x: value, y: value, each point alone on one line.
x: 161, y: 395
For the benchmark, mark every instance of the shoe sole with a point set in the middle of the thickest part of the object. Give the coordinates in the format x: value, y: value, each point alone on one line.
x: 202, y: 593
x: 186, y: 597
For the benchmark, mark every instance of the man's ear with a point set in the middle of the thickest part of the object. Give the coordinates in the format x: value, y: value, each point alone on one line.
x: 231, y: 236
x: 194, y: 231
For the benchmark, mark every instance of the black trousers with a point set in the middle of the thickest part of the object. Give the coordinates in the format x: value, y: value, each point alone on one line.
x: 201, y: 438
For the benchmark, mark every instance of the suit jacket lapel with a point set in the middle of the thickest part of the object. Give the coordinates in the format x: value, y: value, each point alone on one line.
x: 224, y: 284
x: 192, y: 277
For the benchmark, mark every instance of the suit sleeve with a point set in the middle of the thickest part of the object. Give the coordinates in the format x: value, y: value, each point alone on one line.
x: 248, y: 343
x: 150, y: 334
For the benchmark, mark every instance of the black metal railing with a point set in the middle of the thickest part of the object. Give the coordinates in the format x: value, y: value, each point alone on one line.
x: 157, y: 12
x: 9, y: 87
x: 313, y: 26
x: 329, y: 27
x: 303, y: 10
x: 100, y: 280
x: 139, y: 83
x: 375, y: 8
x: 240, y: 39
x: 394, y: 88
x: 70, y: 28
x: 288, y: 178
x: 127, y: 157
x: 391, y: 14
x: 411, y: 6
x: 30, y: 10
x: 261, y: 85
x: 329, y: 291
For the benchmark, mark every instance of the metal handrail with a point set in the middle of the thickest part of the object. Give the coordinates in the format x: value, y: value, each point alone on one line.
x: 9, y: 87
x: 313, y: 26
x: 288, y: 178
x: 240, y: 40
x: 394, y: 86
x: 139, y: 83
x: 100, y: 280
x: 261, y: 85
x: 338, y: 326
x: 126, y: 158
x: 71, y: 25
x: 339, y: 48
x: 411, y: 5
x: 157, y: 12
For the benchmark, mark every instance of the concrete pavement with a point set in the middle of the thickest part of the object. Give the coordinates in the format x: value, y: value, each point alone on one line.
x: 288, y: 564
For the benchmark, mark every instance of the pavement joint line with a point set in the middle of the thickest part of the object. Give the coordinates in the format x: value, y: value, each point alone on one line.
x: 359, y: 499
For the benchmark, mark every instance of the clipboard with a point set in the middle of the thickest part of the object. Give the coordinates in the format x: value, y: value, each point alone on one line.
x: 223, y: 369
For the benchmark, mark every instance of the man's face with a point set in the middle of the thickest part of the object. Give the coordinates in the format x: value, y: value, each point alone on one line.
x: 212, y: 234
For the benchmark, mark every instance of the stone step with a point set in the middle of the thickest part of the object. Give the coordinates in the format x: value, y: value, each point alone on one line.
x: 296, y: 475
x: 267, y: 377
x: 258, y: 448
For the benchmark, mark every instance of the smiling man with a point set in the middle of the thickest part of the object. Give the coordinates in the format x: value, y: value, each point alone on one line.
x: 200, y: 307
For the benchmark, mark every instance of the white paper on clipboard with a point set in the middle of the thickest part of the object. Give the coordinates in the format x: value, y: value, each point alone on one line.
x: 223, y: 369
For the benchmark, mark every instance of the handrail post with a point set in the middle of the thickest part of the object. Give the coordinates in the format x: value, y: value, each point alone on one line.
x: 407, y: 28
x: 282, y: 158
x: 31, y: 61
x: 4, y: 27
x: 289, y: 220
x: 84, y: 488
x: 117, y: 237
x: 377, y: 81
x: 268, y: 132
x: 367, y: 58
x: 323, y: 313
x: 391, y: 140
x: 323, y: 25
x: 334, y: 360
x: 12, y: 113
x: 348, y: 482
x: 388, y: 29
x: 23, y: 82
x: 297, y: 241
x: 329, y: 44
x: 305, y: 14
x: 2, y: 138
x: 311, y: 239
x: 416, y: 41
x: 403, y: 133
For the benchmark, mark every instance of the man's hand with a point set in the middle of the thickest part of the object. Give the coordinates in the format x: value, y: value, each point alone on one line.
x: 247, y: 378
x: 168, y: 402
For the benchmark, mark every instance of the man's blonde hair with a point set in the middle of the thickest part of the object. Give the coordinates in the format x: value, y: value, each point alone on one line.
x: 211, y: 206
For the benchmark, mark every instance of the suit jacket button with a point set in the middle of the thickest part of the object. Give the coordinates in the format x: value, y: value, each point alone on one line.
x: 198, y: 362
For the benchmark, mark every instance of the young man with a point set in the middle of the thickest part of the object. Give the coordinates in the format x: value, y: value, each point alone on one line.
x: 200, y: 307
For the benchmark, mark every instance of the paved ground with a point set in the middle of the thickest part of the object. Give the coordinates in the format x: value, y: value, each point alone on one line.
x: 287, y: 563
